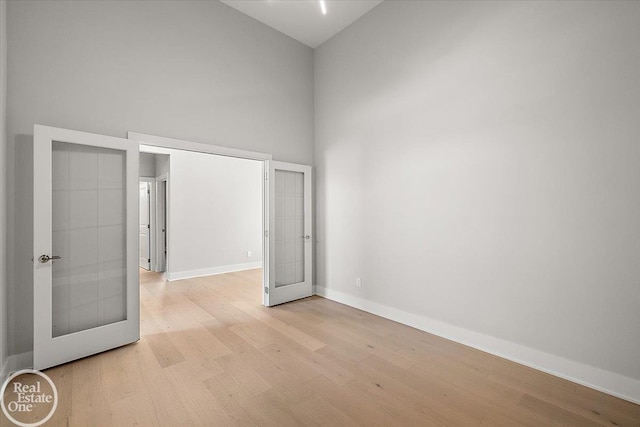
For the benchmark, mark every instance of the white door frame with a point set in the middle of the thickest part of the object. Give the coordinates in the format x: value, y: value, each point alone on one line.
x: 178, y: 144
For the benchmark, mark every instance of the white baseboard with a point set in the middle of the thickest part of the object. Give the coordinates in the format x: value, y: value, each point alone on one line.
x: 589, y: 376
x: 180, y: 275
x: 16, y: 363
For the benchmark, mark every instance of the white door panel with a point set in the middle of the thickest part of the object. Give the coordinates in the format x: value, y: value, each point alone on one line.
x: 161, y: 225
x: 145, y: 226
x: 86, y: 296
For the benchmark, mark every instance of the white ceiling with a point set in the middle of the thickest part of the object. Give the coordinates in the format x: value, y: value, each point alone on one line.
x: 303, y: 19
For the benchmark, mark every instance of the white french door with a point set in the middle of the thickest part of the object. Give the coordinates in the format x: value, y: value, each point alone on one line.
x: 86, y: 296
x: 290, y: 244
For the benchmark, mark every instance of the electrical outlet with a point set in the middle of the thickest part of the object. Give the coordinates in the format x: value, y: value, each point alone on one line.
x: 358, y: 281
x: 248, y: 254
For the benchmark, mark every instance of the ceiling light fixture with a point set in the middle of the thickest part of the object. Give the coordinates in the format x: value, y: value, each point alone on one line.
x: 323, y: 7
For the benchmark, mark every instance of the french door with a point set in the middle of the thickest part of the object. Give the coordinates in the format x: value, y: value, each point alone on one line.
x: 85, y: 264
x: 290, y: 248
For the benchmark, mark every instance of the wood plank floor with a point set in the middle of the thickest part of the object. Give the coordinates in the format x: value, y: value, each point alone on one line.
x: 211, y: 355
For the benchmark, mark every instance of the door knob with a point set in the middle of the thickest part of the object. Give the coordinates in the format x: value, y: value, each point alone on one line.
x: 46, y: 258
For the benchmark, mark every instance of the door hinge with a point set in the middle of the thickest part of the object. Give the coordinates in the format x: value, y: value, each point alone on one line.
x: 148, y: 225
x: 148, y: 191
x: 266, y: 176
x: 266, y: 233
x: 266, y: 290
x: 149, y: 260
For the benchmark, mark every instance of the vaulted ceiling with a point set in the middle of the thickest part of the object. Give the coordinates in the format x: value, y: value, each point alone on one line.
x: 304, y: 20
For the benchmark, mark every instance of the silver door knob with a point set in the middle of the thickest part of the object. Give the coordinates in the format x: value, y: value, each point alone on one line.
x: 307, y: 237
x: 46, y: 258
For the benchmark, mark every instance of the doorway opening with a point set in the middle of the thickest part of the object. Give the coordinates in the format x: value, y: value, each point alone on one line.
x: 286, y: 220
x: 204, y: 214
x: 153, y: 175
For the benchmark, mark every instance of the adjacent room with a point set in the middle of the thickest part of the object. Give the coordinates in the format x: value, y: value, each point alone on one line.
x: 200, y: 214
x: 320, y: 212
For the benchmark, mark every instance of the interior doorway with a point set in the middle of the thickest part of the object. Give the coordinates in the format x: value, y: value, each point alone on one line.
x: 153, y: 174
x: 286, y: 219
x: 145, y: 224
x: 205, y: 213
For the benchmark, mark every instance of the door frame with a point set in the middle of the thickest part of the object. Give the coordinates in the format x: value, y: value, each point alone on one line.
x: 198, y: 147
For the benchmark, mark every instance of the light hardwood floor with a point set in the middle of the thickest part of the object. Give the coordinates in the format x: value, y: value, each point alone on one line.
x: 211, y: 355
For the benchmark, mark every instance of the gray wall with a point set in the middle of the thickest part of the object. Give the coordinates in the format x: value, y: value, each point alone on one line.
x: 147, y: 165
x: 198, y: 71
x: 3, y: 183
x: 162, y: 164
x: 478, y: 165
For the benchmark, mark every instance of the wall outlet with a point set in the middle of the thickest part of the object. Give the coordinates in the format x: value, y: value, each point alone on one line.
x: 358, y: 281
x: 248, y: 254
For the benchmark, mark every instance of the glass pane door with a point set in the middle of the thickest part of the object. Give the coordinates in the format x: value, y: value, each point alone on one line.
x: 290, y: 244
x: 86, y: 295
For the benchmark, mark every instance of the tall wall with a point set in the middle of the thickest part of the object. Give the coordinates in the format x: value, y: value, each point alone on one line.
x: 193, y: 70
x: 478, y: 167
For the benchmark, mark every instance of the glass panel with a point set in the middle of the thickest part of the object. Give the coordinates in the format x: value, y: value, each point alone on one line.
x: 289, y: 231
x: 89, y: 226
